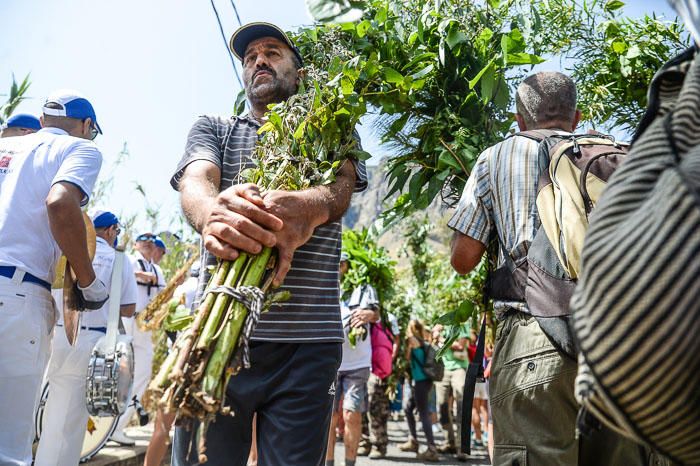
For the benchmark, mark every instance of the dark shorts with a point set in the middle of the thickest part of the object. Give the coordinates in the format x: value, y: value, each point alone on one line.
x: 291, y: 388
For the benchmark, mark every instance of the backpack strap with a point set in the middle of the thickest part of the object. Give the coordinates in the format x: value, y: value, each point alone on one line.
x: 538, y: 135
x: 142, y: 264
x: 148, y: 286
x: 475, y: 372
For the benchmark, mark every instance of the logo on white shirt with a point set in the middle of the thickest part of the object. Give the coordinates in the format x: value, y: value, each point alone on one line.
x: 5, y: 164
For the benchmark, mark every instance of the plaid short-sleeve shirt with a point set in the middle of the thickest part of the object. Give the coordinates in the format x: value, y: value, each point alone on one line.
x: 313, y: 312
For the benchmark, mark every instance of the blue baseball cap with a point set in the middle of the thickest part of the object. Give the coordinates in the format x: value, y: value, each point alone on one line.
x: 160, y: 244
x: 23, y: 120
x: 72, y: 105
x: 146, y: 237
x: 104, y: 219
x: 247, y: 33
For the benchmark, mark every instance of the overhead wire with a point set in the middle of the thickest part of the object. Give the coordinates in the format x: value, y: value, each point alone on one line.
x: 223, y: 36
x: 235, y: 10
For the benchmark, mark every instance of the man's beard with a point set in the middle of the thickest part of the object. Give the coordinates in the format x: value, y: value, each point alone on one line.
x: 272, y: 91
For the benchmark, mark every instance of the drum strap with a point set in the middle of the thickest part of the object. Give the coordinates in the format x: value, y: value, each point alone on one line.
x: 115, y: 292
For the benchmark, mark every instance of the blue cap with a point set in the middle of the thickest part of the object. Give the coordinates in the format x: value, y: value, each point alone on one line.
x: 103, y: 219
x: 247, y: 33
x: 344, y: 256
x: 160, y: 244
x: 146, y: 237
x: 23, y: 120
x: 72, y: 105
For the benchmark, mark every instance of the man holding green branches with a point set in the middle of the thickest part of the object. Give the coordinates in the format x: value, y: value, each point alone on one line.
x: 296, y: 347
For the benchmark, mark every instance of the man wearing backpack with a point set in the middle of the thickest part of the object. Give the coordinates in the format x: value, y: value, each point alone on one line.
x: 532, y: 377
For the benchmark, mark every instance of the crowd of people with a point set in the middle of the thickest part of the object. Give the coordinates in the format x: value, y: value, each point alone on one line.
x: 363, y: 393
x: 316, y: 360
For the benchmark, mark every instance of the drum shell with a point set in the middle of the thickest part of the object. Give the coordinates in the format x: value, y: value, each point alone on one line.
x: 110, y: 378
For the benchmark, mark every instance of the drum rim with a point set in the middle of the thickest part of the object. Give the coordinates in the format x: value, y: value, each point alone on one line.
x: 39, y: 421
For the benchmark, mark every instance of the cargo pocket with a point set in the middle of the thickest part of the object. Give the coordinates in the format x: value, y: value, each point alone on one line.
x: 510, y: 455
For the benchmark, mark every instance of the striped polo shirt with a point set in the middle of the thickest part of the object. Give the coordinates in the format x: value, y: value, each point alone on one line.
x: 313, y: 312
x: 499, y: 200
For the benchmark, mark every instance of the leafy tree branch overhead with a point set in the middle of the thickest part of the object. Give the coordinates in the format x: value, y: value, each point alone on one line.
x: 441, y: 74
x: 440, y: 77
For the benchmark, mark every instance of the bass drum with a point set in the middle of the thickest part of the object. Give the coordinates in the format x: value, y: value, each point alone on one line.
x: 97, y: 431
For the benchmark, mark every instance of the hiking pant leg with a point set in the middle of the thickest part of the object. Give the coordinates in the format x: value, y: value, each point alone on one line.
x: 423, y: 403
x: 378, y: 412
x: 444, y: 390
x: 532, y: 397
x: 408, y: 412
x: 457, y: 378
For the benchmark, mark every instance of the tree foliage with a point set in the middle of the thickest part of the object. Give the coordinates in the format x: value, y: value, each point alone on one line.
x: 369, y: 264
x: 17, y: 95
x: 441, y: 75
x: 438, y: 293
x: 438, y: 77
x: 614, y: 71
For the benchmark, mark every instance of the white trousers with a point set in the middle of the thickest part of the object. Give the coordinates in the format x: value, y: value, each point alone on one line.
x: 27, y: 318
x: 65, y: 414
x: 143, y: 358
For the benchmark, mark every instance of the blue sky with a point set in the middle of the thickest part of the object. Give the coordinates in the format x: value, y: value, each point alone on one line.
x: 149, y: 67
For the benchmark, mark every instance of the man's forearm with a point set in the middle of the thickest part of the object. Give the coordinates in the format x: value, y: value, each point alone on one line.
x: 68, y: 229
x: 197, y: 197
x: 329, y: 203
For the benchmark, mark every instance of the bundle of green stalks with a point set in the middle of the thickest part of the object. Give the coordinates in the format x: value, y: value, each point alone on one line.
x: 305, y: 141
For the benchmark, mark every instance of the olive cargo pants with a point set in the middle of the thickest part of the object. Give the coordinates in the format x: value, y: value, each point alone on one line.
x: 534, y: 409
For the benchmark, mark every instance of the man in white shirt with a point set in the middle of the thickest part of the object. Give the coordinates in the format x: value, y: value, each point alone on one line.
x: 45, y: 178
x: 65, y: 416
x: 159, y: 251
x: 149, y: 281
x: 20, y: 124
x: 351, y: 384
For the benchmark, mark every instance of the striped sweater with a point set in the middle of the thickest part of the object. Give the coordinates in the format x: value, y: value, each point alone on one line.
x: 636, y: 309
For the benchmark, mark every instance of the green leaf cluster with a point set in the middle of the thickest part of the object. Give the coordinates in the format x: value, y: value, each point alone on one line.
x: 440, y: 76
x: 369, y: 264
x: 17, y: 95
x: 613, y: 73
x: 178, y: 318
x: 306, y: 138
x: 440, y: 295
